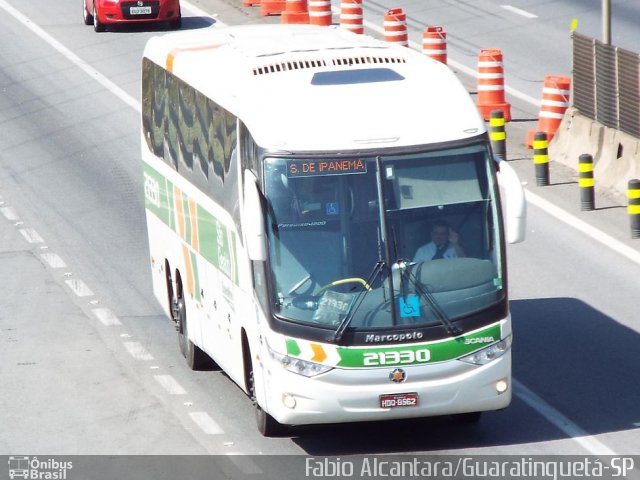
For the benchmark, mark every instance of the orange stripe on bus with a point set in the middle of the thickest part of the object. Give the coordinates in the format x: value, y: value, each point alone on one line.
x: 177, y: 195
x: 189, y: 267
x: 318, y: 353
x: 193, y: 214
x: 171, y: 56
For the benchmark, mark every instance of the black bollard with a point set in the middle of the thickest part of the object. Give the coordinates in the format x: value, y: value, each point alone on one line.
x: 541, y: 158
x: 498, y: 134
x: 633, y: 194
x: 586, y: 182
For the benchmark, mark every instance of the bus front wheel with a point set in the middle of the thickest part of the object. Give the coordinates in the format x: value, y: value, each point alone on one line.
x: 267, y: 425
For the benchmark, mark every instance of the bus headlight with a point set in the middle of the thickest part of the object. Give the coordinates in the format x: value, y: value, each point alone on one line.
x: 490, y: 353
x: 297, y: 365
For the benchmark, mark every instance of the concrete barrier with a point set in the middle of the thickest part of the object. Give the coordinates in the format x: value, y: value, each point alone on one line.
x: 616, y: 155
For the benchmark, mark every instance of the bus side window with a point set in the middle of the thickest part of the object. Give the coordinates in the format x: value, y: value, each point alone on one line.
x: 201, y: 133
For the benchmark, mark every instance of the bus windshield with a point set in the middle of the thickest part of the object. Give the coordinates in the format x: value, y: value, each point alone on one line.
x: 354, y: 238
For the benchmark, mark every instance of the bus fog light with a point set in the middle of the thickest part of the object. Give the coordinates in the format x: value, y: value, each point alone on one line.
x: 289, y: 401
x: 502, y: 385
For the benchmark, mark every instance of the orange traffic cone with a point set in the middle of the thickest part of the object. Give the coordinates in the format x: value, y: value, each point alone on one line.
x: 491, y: 84
x: 434, y: 43
x: 295, y: 12
x: 395, y: 27
x: 271, y: 7
x: 555, y: 101
x: 351, y: 15
x: 320, y: 12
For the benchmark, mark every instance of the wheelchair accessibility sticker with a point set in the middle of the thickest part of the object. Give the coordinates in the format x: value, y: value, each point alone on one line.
x: 409, y: 306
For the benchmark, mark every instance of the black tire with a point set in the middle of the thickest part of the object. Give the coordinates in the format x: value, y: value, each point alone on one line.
x: 176, y: 24
x: 267, y: 425
x: 195, y: 357
x: 98, y: 26
x: 86, y: 16
x: 169, y: 282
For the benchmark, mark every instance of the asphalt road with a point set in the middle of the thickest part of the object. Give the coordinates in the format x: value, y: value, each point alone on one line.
x: 88, y: 363
x: 534, y: 36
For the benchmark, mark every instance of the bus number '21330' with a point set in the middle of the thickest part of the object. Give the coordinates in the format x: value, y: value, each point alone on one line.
x: 396, y: 357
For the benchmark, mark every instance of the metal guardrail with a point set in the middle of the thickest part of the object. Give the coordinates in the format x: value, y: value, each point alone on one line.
x: 606, y: 84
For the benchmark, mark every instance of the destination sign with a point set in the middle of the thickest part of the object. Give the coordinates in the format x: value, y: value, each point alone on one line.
x: 310, y: 168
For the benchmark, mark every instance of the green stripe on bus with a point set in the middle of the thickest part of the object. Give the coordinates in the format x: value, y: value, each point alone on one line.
x: 215, y: 241
x: 293, y: 348
x: 432, y: 352
x: 196, y: 277
x: 155, y: 194
x: 187, y: 219
x: 170, y: 200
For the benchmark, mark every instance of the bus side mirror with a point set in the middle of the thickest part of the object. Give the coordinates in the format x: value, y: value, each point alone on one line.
x: 253, y: 219
x: 514, y: 205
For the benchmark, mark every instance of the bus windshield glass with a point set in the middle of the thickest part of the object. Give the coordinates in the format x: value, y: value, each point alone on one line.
x: 355, y: 237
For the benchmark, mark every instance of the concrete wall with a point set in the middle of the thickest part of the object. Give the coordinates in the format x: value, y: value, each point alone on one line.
x: 616, y: 155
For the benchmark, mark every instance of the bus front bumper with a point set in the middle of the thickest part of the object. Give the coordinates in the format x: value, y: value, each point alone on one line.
x: 343, y: 395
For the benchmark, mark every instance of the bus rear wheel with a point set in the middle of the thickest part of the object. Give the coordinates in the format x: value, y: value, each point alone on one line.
x: 195, y: 357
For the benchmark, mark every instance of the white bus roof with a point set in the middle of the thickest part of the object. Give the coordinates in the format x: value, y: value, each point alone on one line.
x: 311, y: 88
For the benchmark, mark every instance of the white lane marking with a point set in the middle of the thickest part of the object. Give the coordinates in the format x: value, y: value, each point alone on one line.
x: 519, y: 11
x: 137, y: 351
x: 244, y: 463
x: 202, y: 419
x: 30, y: 235
x: 9, y: 213
x: 594, y: 233
x: 201, y: 13
x: 170, y: 384
x: 53, y: 260
x: 206, y: 423
x: 72, y: 57
x: 76, y: 60
x: 106, y: 317
x: 588, y: 442
x: 79, y: 287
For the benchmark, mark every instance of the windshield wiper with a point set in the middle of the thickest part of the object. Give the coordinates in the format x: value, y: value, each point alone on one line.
x: 424, y: 292
x: 358, y: 301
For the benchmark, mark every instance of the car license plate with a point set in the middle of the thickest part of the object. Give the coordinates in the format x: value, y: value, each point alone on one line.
x: 394, y: 400
x: 140, y: 10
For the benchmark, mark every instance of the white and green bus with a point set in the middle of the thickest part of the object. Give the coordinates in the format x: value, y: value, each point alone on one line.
x: 291, y: 173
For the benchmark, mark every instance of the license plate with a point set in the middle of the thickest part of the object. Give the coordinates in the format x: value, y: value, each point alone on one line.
x: 140, y: 10
x: 394, y: 400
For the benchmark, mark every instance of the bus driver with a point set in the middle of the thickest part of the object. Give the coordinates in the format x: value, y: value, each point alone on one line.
x: 443, y: 244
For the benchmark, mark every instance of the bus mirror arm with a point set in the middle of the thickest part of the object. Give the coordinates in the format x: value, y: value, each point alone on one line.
x: 515, y: 205
x: 253, y: 219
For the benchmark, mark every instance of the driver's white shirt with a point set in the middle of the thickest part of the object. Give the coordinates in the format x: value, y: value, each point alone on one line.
x: 426, y: 252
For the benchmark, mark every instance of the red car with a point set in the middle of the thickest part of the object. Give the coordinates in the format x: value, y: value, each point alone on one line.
x: 100, y: 13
